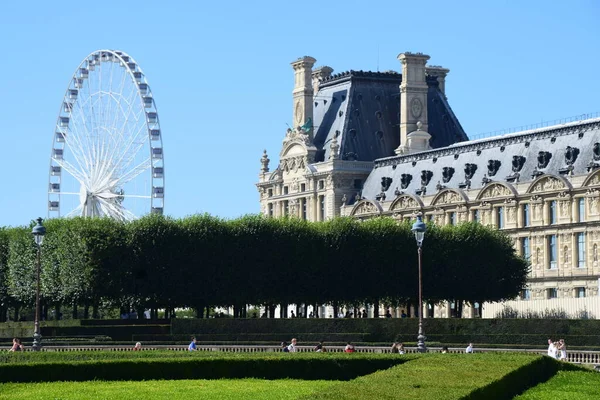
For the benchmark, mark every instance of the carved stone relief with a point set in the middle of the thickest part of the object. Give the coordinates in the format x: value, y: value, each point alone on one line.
x: 511, y: 214
x: 496, y: 190
x: 449, y: 198
x: 365, y: 208
x: 548, y: 184
x: 404, y: 203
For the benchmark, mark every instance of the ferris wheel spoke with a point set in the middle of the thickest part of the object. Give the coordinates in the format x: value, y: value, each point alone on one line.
x: 132, y: 174
x: 77, y: 174
x: 76, y: 211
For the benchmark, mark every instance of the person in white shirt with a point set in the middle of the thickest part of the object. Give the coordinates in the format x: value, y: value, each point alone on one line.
x: 469, y: 348
x: 292, y: 347
x: 551, y: 349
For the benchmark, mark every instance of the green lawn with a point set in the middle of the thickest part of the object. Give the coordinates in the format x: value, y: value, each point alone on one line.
x: 234, y: 389
x: 566, y: 385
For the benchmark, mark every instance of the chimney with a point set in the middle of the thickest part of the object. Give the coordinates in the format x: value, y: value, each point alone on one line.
x: 320, y: 74
x: 413, y: 96
x: 440, y: 73
x: 303, y: 92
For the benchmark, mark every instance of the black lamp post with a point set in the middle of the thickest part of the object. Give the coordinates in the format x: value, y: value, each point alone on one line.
x: 38, y: 233
x: 419, y: 229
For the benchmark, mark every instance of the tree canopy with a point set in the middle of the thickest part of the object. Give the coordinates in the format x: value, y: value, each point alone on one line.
x: 200, y: 261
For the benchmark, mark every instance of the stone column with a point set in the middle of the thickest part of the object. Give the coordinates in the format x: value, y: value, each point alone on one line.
x: 303, y: 92
x: 440, y: 73
x: 320, y: 74
x: 413, y: 95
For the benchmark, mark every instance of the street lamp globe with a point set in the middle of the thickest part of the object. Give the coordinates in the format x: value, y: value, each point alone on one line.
x: 38, y: 232
x: 419, y: 229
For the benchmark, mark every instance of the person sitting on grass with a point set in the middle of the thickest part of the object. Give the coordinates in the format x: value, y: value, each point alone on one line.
x: 319, y: 347
x: 292, y: 347
x: 17, y: 346
x: 444, y: 349
x: 469, y: 348
x: 137, y: 347
x: 349, y: 348
x: 192, y: 346
x: 401, y: 349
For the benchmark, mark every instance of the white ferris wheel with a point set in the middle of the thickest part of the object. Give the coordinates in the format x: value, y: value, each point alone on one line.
x: 107, y: 155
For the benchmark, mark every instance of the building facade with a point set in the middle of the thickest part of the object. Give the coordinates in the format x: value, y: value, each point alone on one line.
x: 392, y: 146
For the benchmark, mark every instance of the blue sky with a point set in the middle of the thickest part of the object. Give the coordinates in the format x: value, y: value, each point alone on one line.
x: 221, y: 78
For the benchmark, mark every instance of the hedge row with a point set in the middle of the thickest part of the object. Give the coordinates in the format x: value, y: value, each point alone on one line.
x: 387, y: 329
x: 320, y: 366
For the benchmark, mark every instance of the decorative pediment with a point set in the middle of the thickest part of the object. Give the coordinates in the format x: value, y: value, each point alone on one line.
x: 276, y: 175
x: 495, y: 190
x: 592, y: 179
x: 549, y: 183
x: 366, y: 207
x: 449, y: 196
x: 406, y: 202
x: 294, y: 148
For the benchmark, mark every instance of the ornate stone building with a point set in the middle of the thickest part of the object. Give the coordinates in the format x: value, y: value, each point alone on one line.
x: 342, y: 123
x: 389, y: 144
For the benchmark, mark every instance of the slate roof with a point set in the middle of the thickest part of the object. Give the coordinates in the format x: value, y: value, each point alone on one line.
x: 363, y: 110
x: 530, y: 153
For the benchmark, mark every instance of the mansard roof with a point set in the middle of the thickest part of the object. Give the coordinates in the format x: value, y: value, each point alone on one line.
x: 362, y: 109
x: 528, y: 156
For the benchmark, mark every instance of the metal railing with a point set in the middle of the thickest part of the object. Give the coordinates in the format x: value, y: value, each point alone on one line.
x: 543, y: 124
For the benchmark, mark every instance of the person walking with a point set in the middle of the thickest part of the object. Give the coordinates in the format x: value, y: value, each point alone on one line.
x: 551, y: 349
x: 562, y: 347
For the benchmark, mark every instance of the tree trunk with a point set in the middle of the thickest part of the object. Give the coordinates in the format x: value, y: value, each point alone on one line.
x: 305, y: 311
x: 86, y: 311
x: 376, y: 309
x: 95, y: 311
x: 336, y: 309
x: 17, y: 312
x: 74, y: 314
x: 316, y: 310
x: 283, y: 310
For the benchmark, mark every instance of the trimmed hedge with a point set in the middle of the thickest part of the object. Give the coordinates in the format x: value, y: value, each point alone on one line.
x: 320, y: 366
x: 493, y: 331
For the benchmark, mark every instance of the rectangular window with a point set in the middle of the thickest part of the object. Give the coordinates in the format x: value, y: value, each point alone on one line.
x: 453, y: 218
x: 526, y: 215
x: 303, y: 202
x: 322, y: 207
x: 270, y: 208
x: 551, y: 293
x: 525, y: 249
x: 270, y: 192
x: 581, y: 209
x: 552, y: 212
x: 552, y: 251
x: 476, y: 217
x: 526, y: 294
x: 500, y: 217
x: 429, y: 217
x: 303, y: 187
x: 285, y: 190
x: 579, y: 292
x: 286, y: 208
x: 581, y: 250
x: 321, y: 185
